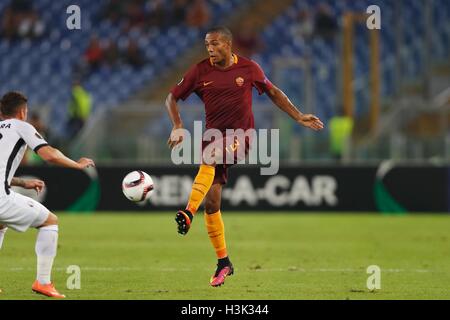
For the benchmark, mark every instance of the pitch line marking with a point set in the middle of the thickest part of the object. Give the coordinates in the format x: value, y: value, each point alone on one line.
x: 287, y: 269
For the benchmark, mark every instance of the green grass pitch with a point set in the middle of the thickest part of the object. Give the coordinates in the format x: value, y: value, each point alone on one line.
x: 276, y: 256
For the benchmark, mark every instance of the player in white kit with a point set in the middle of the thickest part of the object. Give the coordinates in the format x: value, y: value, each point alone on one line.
x: 17, y: 211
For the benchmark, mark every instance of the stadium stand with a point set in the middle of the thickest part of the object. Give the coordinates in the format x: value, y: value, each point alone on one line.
x: 45, y: 69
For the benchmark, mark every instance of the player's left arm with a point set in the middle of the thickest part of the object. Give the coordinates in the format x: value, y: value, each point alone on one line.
x: 35, y: 184
x: 263, y: 85
x: 280, y: 99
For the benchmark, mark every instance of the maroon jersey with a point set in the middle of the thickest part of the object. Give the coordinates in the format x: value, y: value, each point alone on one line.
x: 226, y: 93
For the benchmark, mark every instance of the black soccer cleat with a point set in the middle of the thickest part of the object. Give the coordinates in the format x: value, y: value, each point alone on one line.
x: 184, y: 219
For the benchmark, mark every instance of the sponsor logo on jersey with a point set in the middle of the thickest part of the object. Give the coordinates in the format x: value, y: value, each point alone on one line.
x: 5, y: 126
x: 240, y: 81
x: 207, y: 83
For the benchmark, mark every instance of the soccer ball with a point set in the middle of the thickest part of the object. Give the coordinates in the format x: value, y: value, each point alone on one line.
x: 137, y: 186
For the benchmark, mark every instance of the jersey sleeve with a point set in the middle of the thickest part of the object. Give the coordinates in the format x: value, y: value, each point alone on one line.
x: 31, y: 137
x: 187, y: 85
x: 260, y: 81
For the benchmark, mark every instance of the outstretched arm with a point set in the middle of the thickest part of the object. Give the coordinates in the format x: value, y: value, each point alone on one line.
x: 54, y: 156
x: 174, y: 114
x: 280, y: 99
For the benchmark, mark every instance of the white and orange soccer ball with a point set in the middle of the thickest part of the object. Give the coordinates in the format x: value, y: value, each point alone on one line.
x: 137, y: 186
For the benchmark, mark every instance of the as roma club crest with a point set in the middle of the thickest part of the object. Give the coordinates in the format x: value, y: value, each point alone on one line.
x: 240, y: 81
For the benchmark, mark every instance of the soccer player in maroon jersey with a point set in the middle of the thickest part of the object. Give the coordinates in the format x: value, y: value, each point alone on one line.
x: 224, y: 82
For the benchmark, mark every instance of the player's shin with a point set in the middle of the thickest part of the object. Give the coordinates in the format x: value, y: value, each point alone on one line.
x: 216, y: 233
x: 46, y: 245
x: 202, y: 183
x: 2, y: 236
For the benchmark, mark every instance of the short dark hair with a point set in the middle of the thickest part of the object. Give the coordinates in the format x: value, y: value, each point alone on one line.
x: 11, y: 103
x: 222, y: 30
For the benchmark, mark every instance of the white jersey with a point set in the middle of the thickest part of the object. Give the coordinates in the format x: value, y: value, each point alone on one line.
x: 15, y: 136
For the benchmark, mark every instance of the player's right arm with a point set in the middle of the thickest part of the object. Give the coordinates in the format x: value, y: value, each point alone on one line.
x: 182, y: 90
x: 174, y: 114
x: 49, y: 154
x: 54, y: 156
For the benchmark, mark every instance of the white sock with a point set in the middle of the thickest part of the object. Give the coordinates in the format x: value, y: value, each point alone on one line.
x: 46, y: 243
x: 2, y: 236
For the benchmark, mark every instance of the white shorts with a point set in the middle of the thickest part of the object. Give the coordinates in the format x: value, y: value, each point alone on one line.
x: 19, y: 212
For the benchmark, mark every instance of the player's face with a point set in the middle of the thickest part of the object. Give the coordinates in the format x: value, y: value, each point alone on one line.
x: 218, y: 47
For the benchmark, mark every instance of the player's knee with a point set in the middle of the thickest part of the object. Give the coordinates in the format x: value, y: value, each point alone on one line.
x: 212, y: 206
x: 213, y: 158
x: 51, y: 220
x: 209, y: 161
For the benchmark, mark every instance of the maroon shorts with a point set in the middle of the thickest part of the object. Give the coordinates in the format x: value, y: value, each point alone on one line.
x: 233, y: 151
